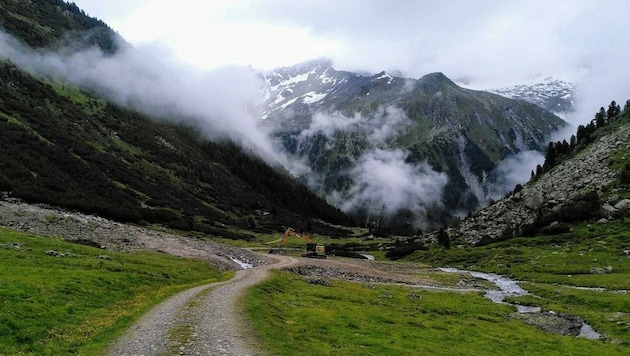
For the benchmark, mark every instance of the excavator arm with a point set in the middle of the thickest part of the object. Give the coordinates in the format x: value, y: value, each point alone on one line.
x: 289, y: 232
x: 312, y: 250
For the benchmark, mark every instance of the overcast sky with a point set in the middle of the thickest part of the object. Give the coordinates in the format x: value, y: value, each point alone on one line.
x: 486, y: 42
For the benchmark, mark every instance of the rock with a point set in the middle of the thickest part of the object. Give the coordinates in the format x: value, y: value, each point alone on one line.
x: 602, y: 221
x: 626, y: 252
x: 561, y: 324
x: 623, y: 205
x: 597, y: 270
x: 319, y: 282
x: 608, y: 210
x: 104, y: 257
x: 52, y: 253
x: 608, y: 269
x: 414, y: 296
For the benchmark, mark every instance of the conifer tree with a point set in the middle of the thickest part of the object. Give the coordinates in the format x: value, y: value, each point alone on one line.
x: 613, y: 110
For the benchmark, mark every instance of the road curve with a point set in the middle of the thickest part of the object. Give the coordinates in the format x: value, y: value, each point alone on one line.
x: 200, y: 321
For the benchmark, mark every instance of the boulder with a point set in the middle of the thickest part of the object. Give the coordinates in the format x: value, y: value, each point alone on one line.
x: 597, y: 270
x: 319, y: 282
x: 623, y: 205
x: 562, y: 324
x: 608, y: 210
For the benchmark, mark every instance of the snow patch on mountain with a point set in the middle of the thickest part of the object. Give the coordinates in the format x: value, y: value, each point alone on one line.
x: 555, y: 95
x: 313, y: 97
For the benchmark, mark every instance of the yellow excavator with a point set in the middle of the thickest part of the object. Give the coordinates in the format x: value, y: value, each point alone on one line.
x: 313, y: 250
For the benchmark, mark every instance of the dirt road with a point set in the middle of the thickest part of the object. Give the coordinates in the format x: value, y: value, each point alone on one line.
x: 199, y: 321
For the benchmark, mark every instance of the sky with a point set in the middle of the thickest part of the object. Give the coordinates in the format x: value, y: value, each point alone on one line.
x: 485, y: 40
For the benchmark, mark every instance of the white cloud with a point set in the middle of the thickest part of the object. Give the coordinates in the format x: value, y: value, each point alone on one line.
x: 489, y: 43
x: 219, y: 102
x: 379, y: 126
x: 385, y: 183
x: 513, y: 170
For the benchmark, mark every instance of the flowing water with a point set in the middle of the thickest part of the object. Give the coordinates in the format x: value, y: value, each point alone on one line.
x: 244, y: 265
x: 510, y: 288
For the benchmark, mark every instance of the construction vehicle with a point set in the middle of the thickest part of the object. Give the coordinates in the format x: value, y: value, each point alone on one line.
x: 313, y: 250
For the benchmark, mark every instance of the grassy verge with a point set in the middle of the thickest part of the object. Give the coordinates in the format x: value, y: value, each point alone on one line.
x: 78, y: 303
x: 294, y: 317
x: 590, y: 256
x: 297, y: 318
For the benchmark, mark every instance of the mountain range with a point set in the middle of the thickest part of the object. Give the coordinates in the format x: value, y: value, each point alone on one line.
x: 441, y: 142
x: 388, y: 150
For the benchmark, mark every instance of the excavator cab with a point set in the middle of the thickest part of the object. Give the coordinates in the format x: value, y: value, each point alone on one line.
x: 315, y: 251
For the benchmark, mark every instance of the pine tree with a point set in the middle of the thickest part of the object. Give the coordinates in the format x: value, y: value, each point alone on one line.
x: 613, y: 110
x: 600, y: 118
x: 550, y: 157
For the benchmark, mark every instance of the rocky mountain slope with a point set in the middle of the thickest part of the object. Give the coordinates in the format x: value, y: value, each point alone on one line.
x: 67, y: 147
x: 586, y: 186
x: 446, y: 139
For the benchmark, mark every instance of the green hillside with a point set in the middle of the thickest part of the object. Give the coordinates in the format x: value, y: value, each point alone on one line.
x: 55, y: 23
x: 67, y: 147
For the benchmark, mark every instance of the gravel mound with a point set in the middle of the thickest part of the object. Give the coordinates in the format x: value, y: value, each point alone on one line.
x: 99, y: 232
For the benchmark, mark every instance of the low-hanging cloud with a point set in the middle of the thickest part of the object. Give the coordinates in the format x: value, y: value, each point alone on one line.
x: 379, y: 126
x: 513, y: 170
x: 385, y: 183
x: 222, y: 103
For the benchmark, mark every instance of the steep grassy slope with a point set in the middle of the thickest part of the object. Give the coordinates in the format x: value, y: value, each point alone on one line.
x: 64, y: 147
x: 67, y: 147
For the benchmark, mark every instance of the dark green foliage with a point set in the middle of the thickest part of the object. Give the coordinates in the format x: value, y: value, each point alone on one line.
x: 119, y: 164
x: 45, y: 23
x: 624, y: 175
x: 444, y: 239
x: 613, y: 110
x: 600, y: 118
x: 582, y: 208
x: 559, y: 151
x: 403, y: 250
x: 555, y: 229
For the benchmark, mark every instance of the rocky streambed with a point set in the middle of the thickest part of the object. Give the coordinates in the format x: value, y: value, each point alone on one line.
x: 550, y: 321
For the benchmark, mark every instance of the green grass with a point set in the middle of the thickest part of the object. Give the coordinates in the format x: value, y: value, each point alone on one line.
x: 607, y: 311
x: 79, y: 303
x: 563, y: 259
x: 293, y: 317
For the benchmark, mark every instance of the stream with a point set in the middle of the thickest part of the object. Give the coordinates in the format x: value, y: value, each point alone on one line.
x: 244, y: 265
x: 510, y: 288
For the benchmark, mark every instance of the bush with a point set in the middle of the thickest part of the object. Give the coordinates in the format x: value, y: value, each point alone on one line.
x: 555, y: 229
x: 405, y: 250
x: 624, y: 176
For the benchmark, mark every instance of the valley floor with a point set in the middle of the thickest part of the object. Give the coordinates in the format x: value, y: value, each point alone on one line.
x: 318, y: 306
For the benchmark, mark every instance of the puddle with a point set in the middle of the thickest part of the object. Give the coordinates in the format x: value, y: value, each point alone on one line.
x: 244, y: 265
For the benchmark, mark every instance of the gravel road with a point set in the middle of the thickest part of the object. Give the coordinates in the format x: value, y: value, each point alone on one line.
x: 199, y: 321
